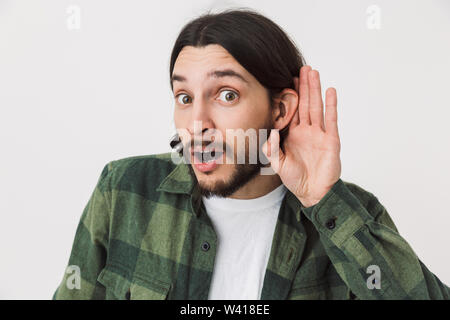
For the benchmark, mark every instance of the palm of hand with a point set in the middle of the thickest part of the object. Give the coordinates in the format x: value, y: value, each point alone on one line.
x: 309, y: 163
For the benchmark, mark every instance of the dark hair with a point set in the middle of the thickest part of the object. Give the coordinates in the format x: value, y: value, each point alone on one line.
x: 255, y: 41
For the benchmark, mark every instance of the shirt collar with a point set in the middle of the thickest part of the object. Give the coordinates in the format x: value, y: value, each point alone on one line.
x: 180, y: 180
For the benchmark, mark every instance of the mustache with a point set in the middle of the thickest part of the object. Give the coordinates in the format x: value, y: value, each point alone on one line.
x: 198, y: 144
x: 207, y: 145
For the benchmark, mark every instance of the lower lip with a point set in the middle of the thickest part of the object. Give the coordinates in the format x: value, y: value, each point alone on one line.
x: 205, y: 167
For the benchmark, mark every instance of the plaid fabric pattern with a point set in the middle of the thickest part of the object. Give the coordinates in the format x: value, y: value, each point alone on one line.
x: 143, y: 230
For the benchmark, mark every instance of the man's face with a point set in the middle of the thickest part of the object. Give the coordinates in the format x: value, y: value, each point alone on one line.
x: 221, y: 102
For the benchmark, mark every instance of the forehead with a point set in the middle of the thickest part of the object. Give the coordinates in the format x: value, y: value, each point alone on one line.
x: 198, y: 54
x: 198, y: 62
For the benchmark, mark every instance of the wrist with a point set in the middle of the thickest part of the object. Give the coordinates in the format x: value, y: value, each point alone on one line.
x: 308, y: 202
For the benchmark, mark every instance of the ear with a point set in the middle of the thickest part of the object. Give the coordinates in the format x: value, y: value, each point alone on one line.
x: 284, y: 107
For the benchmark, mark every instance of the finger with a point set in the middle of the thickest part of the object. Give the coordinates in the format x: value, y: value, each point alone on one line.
x: 275, y: 150
x: 303, y: 104
x: 266, y: 148
x: 271, y: 149
x: 296, y: 83
x: 331, y: 112
x: 295, y: 120
x: 315, y: 102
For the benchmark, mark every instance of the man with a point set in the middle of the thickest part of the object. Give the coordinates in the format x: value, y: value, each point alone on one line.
x: 203, y: 227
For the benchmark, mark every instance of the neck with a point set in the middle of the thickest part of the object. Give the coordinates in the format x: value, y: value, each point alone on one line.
x: 259, y: 186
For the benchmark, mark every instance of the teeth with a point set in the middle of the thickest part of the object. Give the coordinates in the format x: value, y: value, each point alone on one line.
x: 207, y: 156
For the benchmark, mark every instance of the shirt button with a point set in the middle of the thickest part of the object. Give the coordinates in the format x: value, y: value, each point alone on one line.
x: 205, y: 246
x: 330, y: 224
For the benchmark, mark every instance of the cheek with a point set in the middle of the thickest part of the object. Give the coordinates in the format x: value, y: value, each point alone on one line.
x: 180, y: 120
x: 238, y: 117
x: 260, y: 111
x: 250, y: 118
x: 257, y: 111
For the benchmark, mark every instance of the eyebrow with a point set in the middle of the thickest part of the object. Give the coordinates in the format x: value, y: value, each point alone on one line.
x: 214, y: 74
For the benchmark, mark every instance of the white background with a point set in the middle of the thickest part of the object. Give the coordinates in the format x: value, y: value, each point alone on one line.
x: 73, y: 100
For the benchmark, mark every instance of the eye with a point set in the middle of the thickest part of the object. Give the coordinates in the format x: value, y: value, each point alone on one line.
x: 228, y: 95
x: 183, y: 98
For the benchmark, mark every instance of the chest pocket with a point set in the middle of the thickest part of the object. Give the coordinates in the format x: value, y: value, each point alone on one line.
x: 139, y: 288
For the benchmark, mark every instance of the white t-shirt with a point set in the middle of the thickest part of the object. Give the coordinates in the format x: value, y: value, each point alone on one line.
x: 244, y: 231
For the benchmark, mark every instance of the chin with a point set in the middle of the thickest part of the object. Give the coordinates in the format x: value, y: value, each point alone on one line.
x: 211, y: 179
x: 219, y: 173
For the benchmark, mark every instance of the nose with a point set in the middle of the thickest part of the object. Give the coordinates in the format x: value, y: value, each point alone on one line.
x: 201, y: 120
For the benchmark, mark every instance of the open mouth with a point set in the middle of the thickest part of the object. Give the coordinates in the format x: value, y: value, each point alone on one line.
x: 206, y: 156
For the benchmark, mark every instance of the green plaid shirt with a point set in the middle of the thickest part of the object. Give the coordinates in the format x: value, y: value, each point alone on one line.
x: 145, y: 234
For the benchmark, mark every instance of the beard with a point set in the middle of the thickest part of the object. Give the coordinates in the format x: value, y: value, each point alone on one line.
x: 240, y: 176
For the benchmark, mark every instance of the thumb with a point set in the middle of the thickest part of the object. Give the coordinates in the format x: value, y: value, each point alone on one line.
x: 272, y: 150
